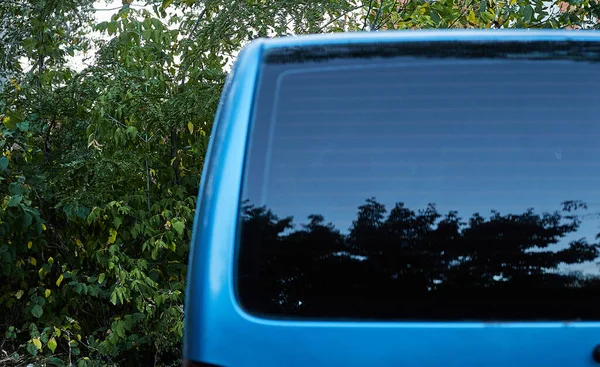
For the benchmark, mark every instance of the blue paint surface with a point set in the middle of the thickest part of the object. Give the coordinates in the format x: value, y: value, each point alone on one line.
x: 218, y: 331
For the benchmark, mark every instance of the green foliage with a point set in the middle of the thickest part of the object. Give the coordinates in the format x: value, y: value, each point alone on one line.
x: 410, y: 14
x: 99, y: 168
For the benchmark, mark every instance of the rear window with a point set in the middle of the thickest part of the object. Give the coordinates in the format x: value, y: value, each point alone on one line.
x: 440, y: 181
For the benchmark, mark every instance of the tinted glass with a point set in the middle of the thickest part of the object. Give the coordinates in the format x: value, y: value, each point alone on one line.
x: 424, y: 182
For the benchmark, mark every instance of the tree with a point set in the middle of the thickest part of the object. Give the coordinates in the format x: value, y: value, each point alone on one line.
x: 407, y: 14
x: 97, y: 262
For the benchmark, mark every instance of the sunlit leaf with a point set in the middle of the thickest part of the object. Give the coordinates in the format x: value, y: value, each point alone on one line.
x: 112, y: 236
x: 52, y: 344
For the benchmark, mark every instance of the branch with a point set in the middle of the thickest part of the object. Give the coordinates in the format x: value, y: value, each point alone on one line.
x: 462, y: 14
x: 384, y: 20
x: 399, y: 17
x: 47, y: 145
x: 367, y: 16
x: 175, y: 155
x: 118, y: 8
x: 378, y: 14
x: 550, y: 17
x: 125, y: 126
x: 184, y: 57
x: 338, y: 17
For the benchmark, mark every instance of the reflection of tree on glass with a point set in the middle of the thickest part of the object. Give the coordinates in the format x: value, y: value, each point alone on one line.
x: 409, y: 264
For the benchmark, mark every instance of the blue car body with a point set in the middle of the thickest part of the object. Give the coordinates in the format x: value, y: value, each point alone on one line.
x: 218, y: 331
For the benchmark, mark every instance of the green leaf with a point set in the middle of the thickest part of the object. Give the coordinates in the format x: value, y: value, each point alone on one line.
x: 23, y: 126
x: 179, y: 226
x: 42, y: 273
x: 112, y: 28
x: 56, y: 362
x: 3, y: 163
x: 32, y: 349
x: 16, y: 189
x: 37, y: 311
x: 27, y: 220
x: 527, y: 13
x: 120, y: 329
x: 435, y: 16
x: 101, y: 26
x: 40, y: 301
x: 132, y: 131
x: 539, y: 8
x: 15, y: 117
x: 59, y: 280
x: 113, y: 297
x: 117, y: 222
x: 112, y: 236
x: 483, y: 6
x: 101, y: 278
x: 10, y: 123
x: 15, y: 200
x: 120, y: 295
x: 37, y: 342
x: 93, y: 291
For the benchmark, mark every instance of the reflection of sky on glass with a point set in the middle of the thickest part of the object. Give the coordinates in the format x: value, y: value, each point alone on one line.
x: 470, y: 137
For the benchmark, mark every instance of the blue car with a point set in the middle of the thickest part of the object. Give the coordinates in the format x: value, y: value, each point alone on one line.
x: 425, y: 198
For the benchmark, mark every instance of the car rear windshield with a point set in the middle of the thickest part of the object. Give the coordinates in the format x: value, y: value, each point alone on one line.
x: 424, y: 181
